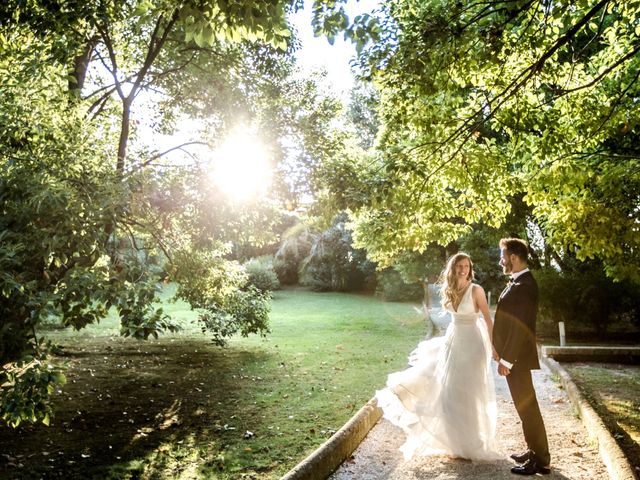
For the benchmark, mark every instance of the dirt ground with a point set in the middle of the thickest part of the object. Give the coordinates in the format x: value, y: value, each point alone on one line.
x: 574, y: 456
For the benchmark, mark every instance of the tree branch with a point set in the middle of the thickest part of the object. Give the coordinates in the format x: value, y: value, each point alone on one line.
x: 156, y: 236
x: 104, y: 33
x: 616, y: 103
x: 470, y: 124
x: 161, y: 154
x: 155, y: 46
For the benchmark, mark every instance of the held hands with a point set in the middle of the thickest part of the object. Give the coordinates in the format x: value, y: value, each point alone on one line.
x: 503, y: 371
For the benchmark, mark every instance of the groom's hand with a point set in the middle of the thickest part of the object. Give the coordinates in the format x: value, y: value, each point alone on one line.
x: 503, y: 371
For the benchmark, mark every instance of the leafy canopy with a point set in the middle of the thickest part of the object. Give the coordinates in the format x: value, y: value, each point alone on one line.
x: 483, y: 102
x: 93, y: 219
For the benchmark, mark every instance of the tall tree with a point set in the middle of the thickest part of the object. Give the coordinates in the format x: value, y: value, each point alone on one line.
x: 482, y: 102
x: 87, y: 207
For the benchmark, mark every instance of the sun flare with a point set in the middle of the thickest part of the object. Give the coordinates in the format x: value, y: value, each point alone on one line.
x: 240, y: 167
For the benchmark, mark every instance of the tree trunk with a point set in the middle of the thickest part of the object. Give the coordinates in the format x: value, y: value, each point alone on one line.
x: 80, y: 66
x: 124, y: 133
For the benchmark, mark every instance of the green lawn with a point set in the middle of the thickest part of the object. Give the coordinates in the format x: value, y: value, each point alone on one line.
x: 179, y: 407
x: 614, y: 392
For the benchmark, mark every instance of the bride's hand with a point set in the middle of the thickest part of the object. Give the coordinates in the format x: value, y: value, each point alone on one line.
x: 495, y: 355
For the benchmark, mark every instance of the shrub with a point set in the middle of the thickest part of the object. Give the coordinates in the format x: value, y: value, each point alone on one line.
x: 246, y: 311
x: 295, y: 246
x: 261, y: 273
x: 29, y: 378
x: 392, y: 288
x: 584, y: 298
x: 333, y: 264
x: 558, y: 300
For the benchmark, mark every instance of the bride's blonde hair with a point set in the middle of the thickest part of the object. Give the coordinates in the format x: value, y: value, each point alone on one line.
x: 449, y: 293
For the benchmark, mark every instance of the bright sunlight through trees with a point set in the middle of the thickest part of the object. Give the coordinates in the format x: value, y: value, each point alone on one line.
x: 240, y: 167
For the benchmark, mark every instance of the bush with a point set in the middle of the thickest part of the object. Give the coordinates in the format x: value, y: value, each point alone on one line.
x: 295, y: 246
x: 261, y: 273
x: 246, y: 311
x: 585, y: 299
x: 392, y: 288
x: 26, y: 395
x: 558, y: 300
x: 334, y: 265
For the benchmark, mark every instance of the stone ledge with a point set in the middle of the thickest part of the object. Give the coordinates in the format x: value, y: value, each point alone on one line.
x: 614, y: 459
x: 586, y: 353
x: 330, y: 455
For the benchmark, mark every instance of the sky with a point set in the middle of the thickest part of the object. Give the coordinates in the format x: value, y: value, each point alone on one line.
x: 316, y: 52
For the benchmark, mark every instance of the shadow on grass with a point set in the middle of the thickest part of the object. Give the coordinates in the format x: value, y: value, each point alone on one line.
x: 613, y: 391
x: 154, y: 409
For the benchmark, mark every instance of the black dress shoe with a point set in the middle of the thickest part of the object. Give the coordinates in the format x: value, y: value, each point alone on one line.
x: 530, y: 467
x: 521, y: 457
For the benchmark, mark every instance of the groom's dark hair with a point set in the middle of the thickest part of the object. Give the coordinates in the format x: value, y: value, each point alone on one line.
x: 515, y: 246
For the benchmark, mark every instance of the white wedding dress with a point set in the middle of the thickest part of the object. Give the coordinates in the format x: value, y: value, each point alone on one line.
x: 445, y: 401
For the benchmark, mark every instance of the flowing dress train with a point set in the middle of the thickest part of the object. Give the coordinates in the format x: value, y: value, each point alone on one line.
x: 445, y: 401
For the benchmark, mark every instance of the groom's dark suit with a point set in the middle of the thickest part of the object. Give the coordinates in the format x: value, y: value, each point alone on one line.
x: 514, y: 338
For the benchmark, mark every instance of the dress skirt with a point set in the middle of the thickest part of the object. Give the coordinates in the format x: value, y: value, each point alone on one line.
x: 445, y: 401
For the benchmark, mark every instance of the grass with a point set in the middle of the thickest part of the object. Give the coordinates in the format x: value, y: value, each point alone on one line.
x: 614, y: 393
x: 179, y: 407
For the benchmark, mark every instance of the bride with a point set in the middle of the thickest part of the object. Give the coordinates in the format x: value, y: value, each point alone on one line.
x: 445, y: 401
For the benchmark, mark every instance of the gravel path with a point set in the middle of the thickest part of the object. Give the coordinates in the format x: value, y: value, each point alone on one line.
x: 572, y: 454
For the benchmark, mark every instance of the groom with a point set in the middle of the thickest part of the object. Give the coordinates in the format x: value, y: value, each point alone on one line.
x: 514, y: 338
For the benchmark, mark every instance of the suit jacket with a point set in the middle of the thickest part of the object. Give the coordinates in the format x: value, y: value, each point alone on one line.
x: 514, y: 328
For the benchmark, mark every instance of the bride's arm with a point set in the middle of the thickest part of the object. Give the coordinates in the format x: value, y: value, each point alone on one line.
x: 480, y: 301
